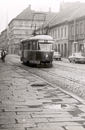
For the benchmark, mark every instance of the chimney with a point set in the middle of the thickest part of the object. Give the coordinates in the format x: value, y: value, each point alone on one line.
x: 49, y: 10
x: 29, y: 7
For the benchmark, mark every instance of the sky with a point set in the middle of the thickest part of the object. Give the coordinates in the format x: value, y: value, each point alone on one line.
x: 9, y: 9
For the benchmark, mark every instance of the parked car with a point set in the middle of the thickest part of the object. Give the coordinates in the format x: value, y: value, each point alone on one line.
x: 77, y: 58
x: 57, y: 56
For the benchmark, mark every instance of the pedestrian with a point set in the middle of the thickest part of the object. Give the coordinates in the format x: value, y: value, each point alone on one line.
x: 3, y: 55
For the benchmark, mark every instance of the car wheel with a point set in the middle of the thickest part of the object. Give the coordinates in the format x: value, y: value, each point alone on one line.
x: 73, y: 61
x: 70, y: 61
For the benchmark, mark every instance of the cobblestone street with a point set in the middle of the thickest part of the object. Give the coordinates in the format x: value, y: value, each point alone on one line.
x: 27, y: 102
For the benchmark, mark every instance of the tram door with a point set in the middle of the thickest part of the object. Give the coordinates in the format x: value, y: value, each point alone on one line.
x: 82, y: 47
x: 78, y: 47
x: 75, y: 47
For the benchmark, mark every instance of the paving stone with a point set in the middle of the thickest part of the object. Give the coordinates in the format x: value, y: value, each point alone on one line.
x: 6, y: 120
x: 5, y: 129
x: 26, y: 114
x: 49, y: 126
x: 75, y: 128
x: 17, y: 126
x: 8, y: 114
x: 60, y: 115
x: 25, y: 103
x: 40, y: 120
x: 66, y: 119
x: 30, y: 120
x: 45, y: 128
x: 82, y: 107
x: 66, y: 123
x: 22, y: 109
x: 22, y: 120
x: 69, y: 100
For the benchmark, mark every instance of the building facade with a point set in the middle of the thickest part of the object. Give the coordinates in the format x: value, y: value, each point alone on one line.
x: 23, y: 26
x: 68, y: 29
x: 60, y: 35
x: 3, y: 40
x: 77, y: 34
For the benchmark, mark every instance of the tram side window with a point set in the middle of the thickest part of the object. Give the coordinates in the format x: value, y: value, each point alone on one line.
x: 21, y: 46
x: 34, y: 45
x: 26, y: 46
x: 30, y: 45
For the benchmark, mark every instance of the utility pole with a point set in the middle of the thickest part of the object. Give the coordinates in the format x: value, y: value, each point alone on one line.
x: 34, y: 22
x: 74, y: 30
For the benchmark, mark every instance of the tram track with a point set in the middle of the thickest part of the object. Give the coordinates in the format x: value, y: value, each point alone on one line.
x: 53, y: 84
x: 67, y: 83
x: 68, y: 78
x: 70, y: 83
x: 57, y: 79
x: 72, y: 67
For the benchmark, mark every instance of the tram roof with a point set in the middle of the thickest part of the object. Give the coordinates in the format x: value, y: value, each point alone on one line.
x: 39, y: 37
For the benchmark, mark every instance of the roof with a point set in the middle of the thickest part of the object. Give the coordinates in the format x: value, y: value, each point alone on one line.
x: 75, y: 10
x: 80, y: 12
x: 42, y: 37
x: 28, y: 14
x: 39, y: 37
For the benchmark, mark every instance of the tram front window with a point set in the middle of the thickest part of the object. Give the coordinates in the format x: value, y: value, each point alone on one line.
x: 45, y: 47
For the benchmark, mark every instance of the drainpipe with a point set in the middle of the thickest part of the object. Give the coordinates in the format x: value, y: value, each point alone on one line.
x: 75, y: 43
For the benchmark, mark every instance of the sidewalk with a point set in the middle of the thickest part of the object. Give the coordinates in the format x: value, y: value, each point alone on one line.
x: 29, y: 103
x: 65, y: 60
x: 15, y: 97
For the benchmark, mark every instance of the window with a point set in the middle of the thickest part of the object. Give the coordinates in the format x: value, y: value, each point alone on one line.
x: 61, y: 32
x: 34, y: 45
x: 81, y: 28
x: 28, y: 46
x: 58, y: 32
x: 62, y: 49
x: 53, y: 33
x: 45, y: 46
x: 72, y: 30
x: 58, y: 47
x: 77, y: 28
x: 82, y: 47
x: 65, y: 31
x: 25, y: 45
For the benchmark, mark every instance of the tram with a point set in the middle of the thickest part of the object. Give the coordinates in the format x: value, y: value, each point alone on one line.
x: 37, y: 49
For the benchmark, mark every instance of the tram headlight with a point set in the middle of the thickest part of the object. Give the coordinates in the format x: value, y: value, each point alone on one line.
x: 46, y: 55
